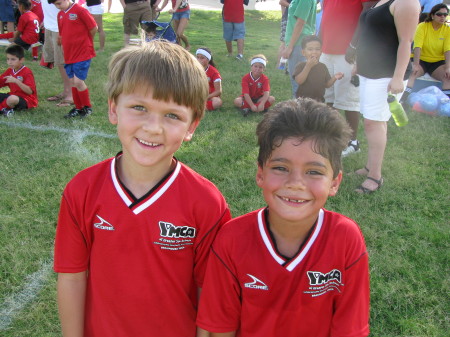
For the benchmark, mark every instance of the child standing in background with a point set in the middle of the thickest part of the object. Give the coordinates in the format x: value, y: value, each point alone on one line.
x: 255, y: 88
x: 77, y: 29
x: 204, y: 56
x: 312, y: 76
x: 181, y: 13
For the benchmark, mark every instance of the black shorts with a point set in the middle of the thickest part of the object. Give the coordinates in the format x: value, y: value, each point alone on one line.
x: 22, y: 105
x: 22, y: 43
x: 430, y: 67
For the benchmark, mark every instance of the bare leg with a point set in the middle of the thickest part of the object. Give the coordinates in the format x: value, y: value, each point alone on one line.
x: 101, y: 33
x: 439, y: 74
x: 352, y: 118
x: 126, y: 39
x: 229, y: 47
x: 181, y: 26
x: 67, y: 91
x: 240, y: 46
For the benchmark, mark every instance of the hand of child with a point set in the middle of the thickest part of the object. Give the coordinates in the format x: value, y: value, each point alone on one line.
x: 11, y: 79
x: 254, y: 108
x: 338, y: 76
x: 171, y: 11
x: 260, y: 107
x: 312, y: 61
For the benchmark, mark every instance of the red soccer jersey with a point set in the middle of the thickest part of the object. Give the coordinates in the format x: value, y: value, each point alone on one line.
x: 213, y: 76
x: 233, y: 11
x: 74, y: 26
x: 339, y: 21
x: 322, y: 291
x: 147, y: 257
x: 255, y: 87
x: 36, y: 8
x: 28, y: 27
x: 25, y: 75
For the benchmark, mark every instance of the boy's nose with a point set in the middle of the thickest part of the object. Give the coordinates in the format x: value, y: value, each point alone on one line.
x: 296, y: 180
x: 153, y: 124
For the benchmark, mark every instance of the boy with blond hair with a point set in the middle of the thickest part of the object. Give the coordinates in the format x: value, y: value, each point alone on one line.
x: 134, y: 231
x: 292, y: 268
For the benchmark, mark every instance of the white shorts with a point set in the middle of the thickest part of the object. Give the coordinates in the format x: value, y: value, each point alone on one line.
x: 96, y: 9
x: 373, y: 94
x: 342, y: 94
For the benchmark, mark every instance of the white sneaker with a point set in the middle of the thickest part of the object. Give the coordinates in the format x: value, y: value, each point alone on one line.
x: 353, y: 147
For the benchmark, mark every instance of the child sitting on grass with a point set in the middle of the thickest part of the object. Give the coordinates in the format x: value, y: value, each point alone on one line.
x: 204, y: 56
x: 20, y: 80
x: 312, y: 76
x: 134, y: 231
x: 255, y: 88
x: 292, y: 268
x: 28, y: 27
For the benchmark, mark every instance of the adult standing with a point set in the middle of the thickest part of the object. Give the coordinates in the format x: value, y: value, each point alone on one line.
x: 301, y: 22
x: 339, y: 22
x: 95, y: 7
x: 234, y: 25
x: 383, y: 63
x: 134, y: 12
x: 7, y: 14
x: 53, y: 53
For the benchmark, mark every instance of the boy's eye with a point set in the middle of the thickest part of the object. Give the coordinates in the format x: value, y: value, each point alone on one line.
x: 172, y: 116
x: 314, y: 172
x: 280, y: 168
x: 138, y: 108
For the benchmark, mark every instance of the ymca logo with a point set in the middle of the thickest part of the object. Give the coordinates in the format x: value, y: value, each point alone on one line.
x: 103, y: 224
x: 317, y: 278
x: 169, y: 230
x: 256, y: 284
x: 73, y: 16
x: 20, y: 78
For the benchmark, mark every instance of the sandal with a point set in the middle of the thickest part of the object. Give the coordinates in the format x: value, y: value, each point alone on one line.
x: 64, y: 103
x: 365, y: 171
x: 55, y: 98
x: 364, y: 190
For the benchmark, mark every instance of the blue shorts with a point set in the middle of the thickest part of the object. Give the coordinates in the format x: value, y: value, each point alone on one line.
x: 233, y: 31
x: 79, y: 69
x: 177, y: 16
x: 7, y: 11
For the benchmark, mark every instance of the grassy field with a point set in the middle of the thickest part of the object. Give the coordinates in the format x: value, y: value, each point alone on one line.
x: 405, y: 224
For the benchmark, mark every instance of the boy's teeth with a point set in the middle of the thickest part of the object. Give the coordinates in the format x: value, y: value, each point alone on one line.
x: 147, y: 143
x: 294, y: 200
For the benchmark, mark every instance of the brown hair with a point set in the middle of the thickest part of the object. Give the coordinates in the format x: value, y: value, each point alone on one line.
x: 171, y: 72
x: 304, y: 119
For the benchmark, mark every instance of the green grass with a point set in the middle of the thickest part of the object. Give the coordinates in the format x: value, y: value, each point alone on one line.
x: 405, y: 224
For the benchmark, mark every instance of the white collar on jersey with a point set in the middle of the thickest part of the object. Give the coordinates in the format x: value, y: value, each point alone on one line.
x: 294, y: 262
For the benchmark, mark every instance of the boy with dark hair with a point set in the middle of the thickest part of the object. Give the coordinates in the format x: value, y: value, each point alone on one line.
x: 134, y: 231
x: 304, y: 272
x: 312, y: 76
x: 28, y: 28
x: 77, y: 29
x: 20, y: 80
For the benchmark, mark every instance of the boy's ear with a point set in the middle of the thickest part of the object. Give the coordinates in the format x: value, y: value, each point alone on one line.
x: 112, y: 112
x: 336, y: 182
x: 259, y: 176
x: 191, y: 130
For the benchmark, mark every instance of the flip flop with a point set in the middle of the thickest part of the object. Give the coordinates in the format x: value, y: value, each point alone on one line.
x: 64, y: 103
x: 55, y: 98
x: 364, y: 190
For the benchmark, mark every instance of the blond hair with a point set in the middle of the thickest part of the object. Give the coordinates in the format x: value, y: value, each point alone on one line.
x: 169, y: 70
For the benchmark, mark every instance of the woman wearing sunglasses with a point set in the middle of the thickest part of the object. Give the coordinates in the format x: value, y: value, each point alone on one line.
x: 432, y: 49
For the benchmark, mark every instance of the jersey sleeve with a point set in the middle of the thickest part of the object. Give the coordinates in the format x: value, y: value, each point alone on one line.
x: 216, y: 216
x: 351, y: 316
x: 419, y: 36
x: 245, y: 86
x: 220, y: 305
x: 71, y: 248
x: 28, y: 80
x: 88, y: 20
x: 266, y: 84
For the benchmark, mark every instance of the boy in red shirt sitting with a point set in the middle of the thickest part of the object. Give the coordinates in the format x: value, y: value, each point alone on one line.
x: 20, y: 81
x: 77, y: 29
x: 27, y: 32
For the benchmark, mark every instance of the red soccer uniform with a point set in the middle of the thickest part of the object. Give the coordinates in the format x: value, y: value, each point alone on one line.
x: 25, y: 75
x: 36, y: 8
x: 28, y: 27
x: 74, y: 26
x: 213, y: 76
x: 339, y: 21
x: 233, y: 11
x: 146, y: 257
x: 322, y: 291
x: 255, y: 87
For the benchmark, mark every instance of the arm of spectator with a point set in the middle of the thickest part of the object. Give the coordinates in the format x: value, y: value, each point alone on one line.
x: 159, y: 9
x: 122, y: 2
x: 93, y: 31
x: 175, y: 8
x: 298, y: 28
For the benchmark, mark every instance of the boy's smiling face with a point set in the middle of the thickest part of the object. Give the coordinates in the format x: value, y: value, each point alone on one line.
x: 296, y: 183
x: 150, y: 131
x: 257, y: 69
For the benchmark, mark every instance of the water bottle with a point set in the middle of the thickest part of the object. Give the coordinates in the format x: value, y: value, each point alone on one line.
x: 282, y: 65
x: 397, y: 111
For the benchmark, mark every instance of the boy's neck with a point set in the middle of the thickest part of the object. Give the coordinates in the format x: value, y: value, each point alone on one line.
x: 18, y: 68
x: 140, y: 180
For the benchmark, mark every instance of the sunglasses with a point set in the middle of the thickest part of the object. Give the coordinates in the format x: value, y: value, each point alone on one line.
x: 441, y: 14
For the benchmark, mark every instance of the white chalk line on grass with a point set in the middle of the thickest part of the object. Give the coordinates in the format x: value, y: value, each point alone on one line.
x: 82, y: 133
x: 14, y: 303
